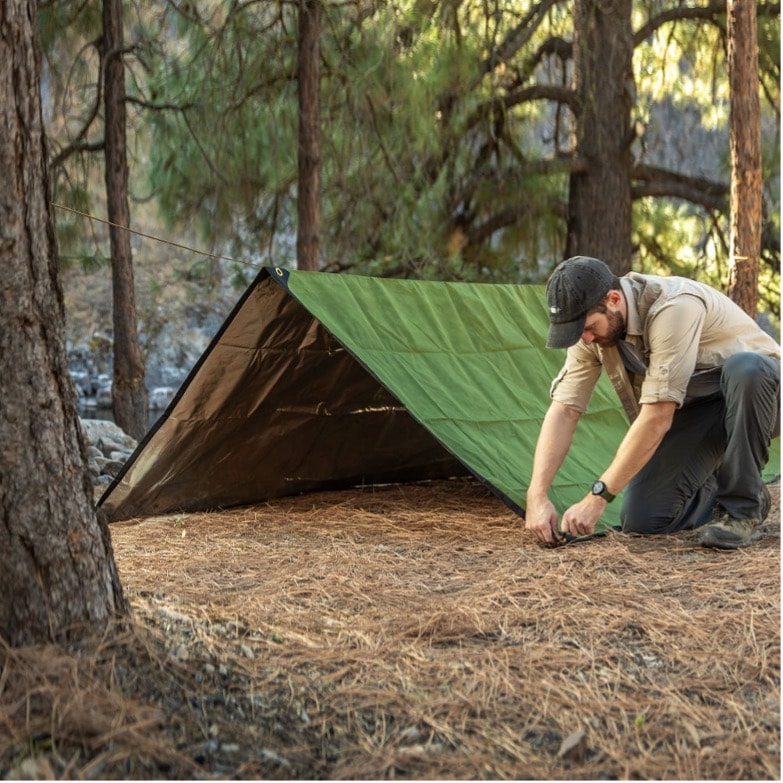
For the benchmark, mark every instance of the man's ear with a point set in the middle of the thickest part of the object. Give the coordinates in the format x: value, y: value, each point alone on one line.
x: 614, y: 297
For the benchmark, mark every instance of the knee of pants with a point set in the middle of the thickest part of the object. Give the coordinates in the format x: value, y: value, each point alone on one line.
x: 651, y: 515
x: 749, y: 370
x: 636, y: 518
x: 636, y: 523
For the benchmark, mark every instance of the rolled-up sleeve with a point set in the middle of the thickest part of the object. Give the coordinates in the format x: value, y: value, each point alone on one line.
x: 575, y: 383
x: 673, y: 334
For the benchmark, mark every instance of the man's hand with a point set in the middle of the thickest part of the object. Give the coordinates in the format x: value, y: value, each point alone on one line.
x: 582, y: 517
x: 541, y: 520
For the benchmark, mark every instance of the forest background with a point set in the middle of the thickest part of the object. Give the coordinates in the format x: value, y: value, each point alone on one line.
x: 452, y: 140
x: 466, y: 173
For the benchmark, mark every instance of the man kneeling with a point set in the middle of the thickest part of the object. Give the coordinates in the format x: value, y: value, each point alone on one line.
x: 700, y: 382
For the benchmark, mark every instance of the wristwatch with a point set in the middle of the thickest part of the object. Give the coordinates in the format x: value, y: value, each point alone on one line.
x: 599, y: 488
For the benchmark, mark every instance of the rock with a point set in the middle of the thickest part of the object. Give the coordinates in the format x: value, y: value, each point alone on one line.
x: 107, y: 446
x: 108, y: 449
x: 32, y: 768
x: 98, y: 429
x: 574, y: 746
x: 113, y: 466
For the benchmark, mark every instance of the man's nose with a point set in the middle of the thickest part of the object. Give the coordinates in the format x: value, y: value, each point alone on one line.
x: 588, y: 337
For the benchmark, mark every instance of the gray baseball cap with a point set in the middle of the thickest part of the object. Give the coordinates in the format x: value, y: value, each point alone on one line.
x: 576, y: 286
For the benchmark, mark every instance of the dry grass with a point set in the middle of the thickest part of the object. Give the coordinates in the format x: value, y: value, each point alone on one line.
x: 411, y: 632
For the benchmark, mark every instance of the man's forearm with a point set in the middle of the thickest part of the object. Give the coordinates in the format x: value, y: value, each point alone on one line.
x: 639, y: 444
x: 554, y: 440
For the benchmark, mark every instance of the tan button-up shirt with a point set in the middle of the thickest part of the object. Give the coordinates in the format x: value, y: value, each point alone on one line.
x: 681, y: 330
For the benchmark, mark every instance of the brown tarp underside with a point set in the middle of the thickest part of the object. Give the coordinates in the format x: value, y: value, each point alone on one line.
x: 276, y: 406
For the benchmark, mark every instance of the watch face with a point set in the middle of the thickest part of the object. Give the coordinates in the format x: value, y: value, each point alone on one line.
x: 599, y: 487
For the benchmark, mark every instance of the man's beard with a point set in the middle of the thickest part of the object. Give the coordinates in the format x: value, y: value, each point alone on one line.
x: 616, y: 330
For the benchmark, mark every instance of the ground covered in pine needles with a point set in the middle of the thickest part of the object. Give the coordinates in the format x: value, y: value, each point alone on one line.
x: 413, y: 632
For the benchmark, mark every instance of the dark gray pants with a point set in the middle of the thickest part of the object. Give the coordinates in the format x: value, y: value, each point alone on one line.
x: 714, y: 452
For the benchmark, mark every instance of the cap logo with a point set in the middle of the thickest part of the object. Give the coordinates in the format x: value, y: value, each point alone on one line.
x: 554, y: 309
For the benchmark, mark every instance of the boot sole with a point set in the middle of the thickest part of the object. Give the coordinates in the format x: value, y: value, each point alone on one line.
x: 712, y: 540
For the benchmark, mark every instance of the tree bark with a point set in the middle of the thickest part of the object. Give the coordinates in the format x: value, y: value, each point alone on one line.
x: 746, y: 179
x: 308, y: 239
x: 129, y: 393
x: 599, y: 206
x: 58, y: 578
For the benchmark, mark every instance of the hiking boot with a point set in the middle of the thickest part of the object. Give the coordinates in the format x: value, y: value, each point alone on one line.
x: 765, y: 501
x: 730, y: 533
x: 725, y: 532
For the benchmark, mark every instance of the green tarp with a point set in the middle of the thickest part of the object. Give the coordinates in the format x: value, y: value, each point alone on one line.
x: 321, y: 381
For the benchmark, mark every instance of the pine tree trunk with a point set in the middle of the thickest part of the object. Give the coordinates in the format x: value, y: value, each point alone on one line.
x: 129, y: 394
x: 57, y: 569
x: 746, y: 178
x: 603, y: 73
x: 308, y: 239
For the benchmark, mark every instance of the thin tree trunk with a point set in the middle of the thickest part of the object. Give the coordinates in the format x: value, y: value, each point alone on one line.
x: 308, y: 239
x: 603, y: 73
x: 128, y: 390
x: 746, y: 178
x: 57, y: 570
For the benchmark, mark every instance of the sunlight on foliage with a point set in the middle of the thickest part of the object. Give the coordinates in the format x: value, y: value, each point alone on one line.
x: 445, y: 141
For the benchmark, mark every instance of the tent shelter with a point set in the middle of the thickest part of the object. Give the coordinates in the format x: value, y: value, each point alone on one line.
x: 320, y: 381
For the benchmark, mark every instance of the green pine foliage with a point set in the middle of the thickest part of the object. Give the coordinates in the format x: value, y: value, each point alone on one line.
x: 443, y: 154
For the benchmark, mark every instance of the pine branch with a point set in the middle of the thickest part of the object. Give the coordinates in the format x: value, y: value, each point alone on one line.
x: 509, y: 216
x: 651, y: 181
x: 516, y: 38
x: 78, y: 144
x: 152, y: 106
x: 74, y: 149
x: 538, y: 92
x: 682, y: 13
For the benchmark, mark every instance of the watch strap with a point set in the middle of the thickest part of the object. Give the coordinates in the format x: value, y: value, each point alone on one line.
x: 599, y: 488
